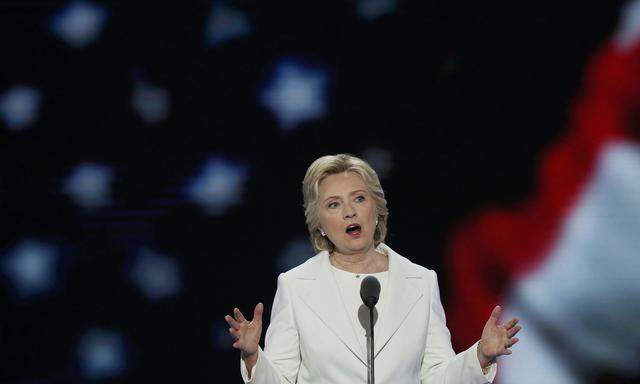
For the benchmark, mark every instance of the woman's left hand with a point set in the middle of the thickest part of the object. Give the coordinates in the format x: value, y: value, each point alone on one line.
x: 497, y: 338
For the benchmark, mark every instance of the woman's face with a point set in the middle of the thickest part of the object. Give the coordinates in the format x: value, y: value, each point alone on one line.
x: 347, y: 212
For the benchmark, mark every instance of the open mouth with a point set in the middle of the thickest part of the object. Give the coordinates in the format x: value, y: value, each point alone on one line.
x: 354, y: 230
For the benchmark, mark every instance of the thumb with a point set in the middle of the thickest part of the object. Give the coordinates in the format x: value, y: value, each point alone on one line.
x: 495, y: 315
x: 257, y: 313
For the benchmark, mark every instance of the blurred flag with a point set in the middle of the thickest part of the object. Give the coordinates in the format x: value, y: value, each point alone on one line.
x: 567, y: 260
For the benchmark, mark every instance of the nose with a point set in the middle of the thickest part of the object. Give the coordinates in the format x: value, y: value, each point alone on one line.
x: 349, y: 211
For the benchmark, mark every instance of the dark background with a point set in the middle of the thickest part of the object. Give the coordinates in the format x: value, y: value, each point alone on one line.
x: 464, y: 95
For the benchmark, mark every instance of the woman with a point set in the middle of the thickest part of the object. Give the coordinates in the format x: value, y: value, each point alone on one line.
x: 317, y: 334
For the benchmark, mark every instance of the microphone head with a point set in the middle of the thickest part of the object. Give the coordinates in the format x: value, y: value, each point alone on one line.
x: 370, y: 291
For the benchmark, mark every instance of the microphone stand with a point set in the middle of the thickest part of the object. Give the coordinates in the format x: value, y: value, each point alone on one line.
x: 370, y: 293
x: 372, y: 353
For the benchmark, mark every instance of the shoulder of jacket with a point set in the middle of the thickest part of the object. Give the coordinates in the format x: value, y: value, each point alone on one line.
x: 306, y: 269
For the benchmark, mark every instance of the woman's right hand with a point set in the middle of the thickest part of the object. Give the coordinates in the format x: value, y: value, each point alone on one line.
x: 246, y: 333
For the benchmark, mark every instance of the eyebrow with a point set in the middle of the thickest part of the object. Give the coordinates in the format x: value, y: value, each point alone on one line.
x: 352, y: 193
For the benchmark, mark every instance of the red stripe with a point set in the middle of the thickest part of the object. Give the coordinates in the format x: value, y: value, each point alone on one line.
x: 499, y: 244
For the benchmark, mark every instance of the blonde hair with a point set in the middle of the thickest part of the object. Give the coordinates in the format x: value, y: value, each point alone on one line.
x: 331, y: 165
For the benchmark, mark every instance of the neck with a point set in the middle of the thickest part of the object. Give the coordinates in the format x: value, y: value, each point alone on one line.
x: 368, y: 261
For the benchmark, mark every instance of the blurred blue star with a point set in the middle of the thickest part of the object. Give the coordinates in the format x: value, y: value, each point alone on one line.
x: 295, y: 93
x: 380, y: 159
x: 101, y: 354
x: 226, y: 23
x: 218, y: 186
x: 31, y: 268
x: 295, y: 252
x: 155, y: 275
x: 89, y: 185
x: 19, y: 106
x: 150, y: 102
x: 79, y: 23
x: 220, y: 336
x: 370, y: 10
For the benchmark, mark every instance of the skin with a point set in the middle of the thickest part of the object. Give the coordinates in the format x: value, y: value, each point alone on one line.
x: 345, y: 199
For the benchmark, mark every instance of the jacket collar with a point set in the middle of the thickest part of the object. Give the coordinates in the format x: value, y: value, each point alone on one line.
x: 318, y: 289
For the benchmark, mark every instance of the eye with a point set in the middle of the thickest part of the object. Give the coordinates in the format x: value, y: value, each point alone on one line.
x: 360, y: 199
x: 333, y: 204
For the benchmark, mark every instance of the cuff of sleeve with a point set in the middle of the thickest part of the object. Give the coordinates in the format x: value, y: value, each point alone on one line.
x: 245, y: 373
x: 478, y: 372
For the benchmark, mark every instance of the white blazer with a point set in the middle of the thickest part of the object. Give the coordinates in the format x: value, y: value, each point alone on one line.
x: 311, y: 339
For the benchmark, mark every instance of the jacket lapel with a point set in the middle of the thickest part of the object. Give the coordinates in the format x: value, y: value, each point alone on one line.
x: 403, y: 294
x: 317, y: 287
x: 319, y: 290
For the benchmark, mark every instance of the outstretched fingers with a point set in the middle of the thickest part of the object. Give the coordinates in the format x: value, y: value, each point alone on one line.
x: 238, y: 315
x: 237, y: 320
x: 237, y: 342
x: 257, y: 313
x: 495, y: 315
x: 232, y: 322
x: 510, y: 343
x: 511, y: 323
x: 513, y: 331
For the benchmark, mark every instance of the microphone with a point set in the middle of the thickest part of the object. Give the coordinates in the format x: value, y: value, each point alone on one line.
x: 370, y: 293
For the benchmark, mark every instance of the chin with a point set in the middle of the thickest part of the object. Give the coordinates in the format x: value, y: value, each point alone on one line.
x: 359, y: 245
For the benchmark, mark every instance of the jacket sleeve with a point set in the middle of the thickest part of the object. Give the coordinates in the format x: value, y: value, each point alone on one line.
x: 279, y: 362
x: 440, y: 364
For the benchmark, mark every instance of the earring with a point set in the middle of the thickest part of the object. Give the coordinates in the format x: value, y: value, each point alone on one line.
x: 376, y: 221
x: 322, y: 233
